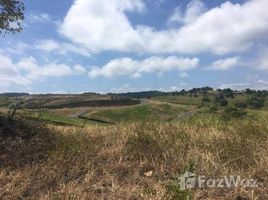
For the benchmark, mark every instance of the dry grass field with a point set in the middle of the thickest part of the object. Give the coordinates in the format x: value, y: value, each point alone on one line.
x: 140, y: 160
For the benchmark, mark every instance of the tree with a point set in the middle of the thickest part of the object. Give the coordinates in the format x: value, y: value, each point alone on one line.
x: 219, y: 99
x: 230, y: 112
x: 11, y: 15
x: 228, y: 93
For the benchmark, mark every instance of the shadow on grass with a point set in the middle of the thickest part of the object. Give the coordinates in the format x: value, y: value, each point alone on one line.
x: 23, y: 142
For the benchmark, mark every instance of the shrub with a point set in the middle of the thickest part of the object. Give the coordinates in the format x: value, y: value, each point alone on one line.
x: 219, y: 99
x: 205, y: 99
x: 232, y: 112
x: 256, y: 102
x: 240, y: 104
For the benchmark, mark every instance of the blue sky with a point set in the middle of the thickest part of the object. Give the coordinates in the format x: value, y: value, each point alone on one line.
x: 134, y: 45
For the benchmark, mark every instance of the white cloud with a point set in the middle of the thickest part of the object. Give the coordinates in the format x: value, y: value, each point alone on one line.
x: 194, y: 9
x: 59, y: 92
x: 47, y: 45
x: 263, y: 82
x: 183, y: 75
x: 50, y: 45
x: 127, y: 88
x: 27, y: 71
x: 80, y: 69
x: 9, y: 74
x: 101, y: 25
x: 237, y: 86
x: 135, y: 68
x: 33, y: 71
x: 176, y: 88
x: 38, y: 18
x: 136, y: 75
x: 225, y: 64
x: 157, y: 3
x: 17, y: 48
x: 6, y: 66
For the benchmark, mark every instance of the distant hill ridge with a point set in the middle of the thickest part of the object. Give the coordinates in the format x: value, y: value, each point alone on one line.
x: 13, y: 94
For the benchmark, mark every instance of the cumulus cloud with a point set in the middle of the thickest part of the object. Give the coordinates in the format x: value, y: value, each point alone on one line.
x: 63, y: 48
x: 34, y: 71
x: 101, y: 25
x: 135, y: 68
x: 225, y: 64
x: 194, y: 9
x: 9, y: 73
x: 27, y: 70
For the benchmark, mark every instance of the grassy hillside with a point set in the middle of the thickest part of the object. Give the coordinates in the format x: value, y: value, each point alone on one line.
x: 76, y: 101
x: 179, y: 99
x: 54, y: 118
x: 4, y: 101
x: 132, y: 161
x: 65, y: 111
x: 159, y: 112
x: 52, y: 154
x: 196, y: 100
x: 48, y: 116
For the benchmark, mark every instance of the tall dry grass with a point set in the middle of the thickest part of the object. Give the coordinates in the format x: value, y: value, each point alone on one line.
x: 132, y: 161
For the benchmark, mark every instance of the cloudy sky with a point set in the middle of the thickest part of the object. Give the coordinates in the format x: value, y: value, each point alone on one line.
x: 131, y: 45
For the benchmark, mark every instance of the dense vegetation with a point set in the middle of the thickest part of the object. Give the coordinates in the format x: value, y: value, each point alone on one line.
x: 157, y: 112
x: 14, y: 94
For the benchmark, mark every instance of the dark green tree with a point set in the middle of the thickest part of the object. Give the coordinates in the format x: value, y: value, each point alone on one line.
x: 11, y: 15
x: 228, y: 93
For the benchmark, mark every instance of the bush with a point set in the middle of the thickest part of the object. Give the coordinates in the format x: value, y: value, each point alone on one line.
x: 240, y: 104
x: 232, y: 112
x: 223, y: 102
x: 205, y: 99
x: 255, y: 102
x: 219, y: 99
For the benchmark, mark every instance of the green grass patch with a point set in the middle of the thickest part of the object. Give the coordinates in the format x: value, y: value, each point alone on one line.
x: 157, y: 112
x: 65, y: 111
x: 185, y: 100
x: 53, y: 118
x: 4, y: 101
